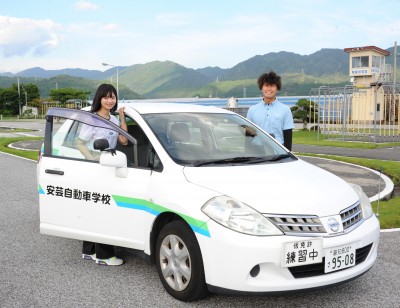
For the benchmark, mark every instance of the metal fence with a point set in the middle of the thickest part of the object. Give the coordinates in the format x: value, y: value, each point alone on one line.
x: 368, y: 114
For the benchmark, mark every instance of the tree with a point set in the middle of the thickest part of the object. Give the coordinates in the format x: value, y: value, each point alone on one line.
x: 9, y: 101
x: 305, y: 110
x: 64, y: 94
x: 31, y: 90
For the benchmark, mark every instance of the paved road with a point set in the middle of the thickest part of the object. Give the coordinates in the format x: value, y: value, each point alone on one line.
x: 44, y: 271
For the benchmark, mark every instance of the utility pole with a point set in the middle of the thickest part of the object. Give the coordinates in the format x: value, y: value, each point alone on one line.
x: 394, y: 67
x: 19, y: 98
x: 107, y: 64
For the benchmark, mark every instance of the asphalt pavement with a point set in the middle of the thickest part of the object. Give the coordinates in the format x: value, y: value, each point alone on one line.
x: 376, y: 185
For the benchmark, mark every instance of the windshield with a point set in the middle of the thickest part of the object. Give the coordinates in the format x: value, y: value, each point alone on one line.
x: 204, y: 139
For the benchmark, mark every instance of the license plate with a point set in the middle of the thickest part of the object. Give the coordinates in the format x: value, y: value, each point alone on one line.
x: 302, y: 252
x: 340, y: 257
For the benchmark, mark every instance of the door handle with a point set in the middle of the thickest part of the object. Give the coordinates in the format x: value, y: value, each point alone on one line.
x: 51, y: 171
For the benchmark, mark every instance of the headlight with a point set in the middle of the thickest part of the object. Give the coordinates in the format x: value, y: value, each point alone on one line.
x: 239, y: 217
x: 364, y: 200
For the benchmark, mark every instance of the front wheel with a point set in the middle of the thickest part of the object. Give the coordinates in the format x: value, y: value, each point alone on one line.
x: 179, y: 262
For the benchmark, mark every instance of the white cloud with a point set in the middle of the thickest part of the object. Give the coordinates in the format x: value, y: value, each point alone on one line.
x: 20, y: 36
x: 92, y: 29
x: 174, y: 19
x: 85, y: 6
x: 110, y: 27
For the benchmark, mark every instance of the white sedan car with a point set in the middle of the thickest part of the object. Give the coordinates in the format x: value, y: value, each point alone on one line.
x: 215, y: 202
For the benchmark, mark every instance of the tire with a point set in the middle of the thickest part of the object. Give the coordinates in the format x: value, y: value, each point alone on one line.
x: 179, y: 262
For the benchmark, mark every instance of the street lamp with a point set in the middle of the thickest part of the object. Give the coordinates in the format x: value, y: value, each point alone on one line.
x: 106, y: 64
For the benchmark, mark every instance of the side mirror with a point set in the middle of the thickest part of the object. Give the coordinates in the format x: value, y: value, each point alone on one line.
x: 115, y: 159
x: 101, y: 144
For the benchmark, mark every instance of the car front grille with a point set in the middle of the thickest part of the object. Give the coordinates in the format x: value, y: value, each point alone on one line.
x: 351, y: 216
x: 311, y: 225
x: 312, y: 270
x: 298, y: 224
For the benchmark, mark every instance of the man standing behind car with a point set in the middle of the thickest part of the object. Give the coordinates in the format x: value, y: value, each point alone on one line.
x: 271, y: 115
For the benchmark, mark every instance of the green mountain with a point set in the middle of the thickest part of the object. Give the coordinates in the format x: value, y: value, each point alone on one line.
x: 300, y: 74
x: 162, y: 79
x: 213, y: 73
x: 323, y: 62
x: 165, y: 79
x: 64, y: 81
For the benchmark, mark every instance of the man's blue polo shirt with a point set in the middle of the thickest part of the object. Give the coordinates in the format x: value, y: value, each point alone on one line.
x: 273, y: 118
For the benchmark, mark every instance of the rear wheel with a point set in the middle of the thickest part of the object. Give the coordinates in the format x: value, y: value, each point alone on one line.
x: 179, y: 262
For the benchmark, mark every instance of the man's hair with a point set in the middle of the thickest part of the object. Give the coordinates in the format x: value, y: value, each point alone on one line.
x: 270, y: 79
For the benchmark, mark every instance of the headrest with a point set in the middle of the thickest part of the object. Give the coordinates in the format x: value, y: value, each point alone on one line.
x: 179, y: 132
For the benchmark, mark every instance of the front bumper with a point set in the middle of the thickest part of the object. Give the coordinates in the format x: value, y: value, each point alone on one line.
x: 229, y: 257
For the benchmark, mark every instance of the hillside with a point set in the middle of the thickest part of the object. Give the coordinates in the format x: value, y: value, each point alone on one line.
x: 300, y: 73
x: 45, y: 85
x: 39, y: 72
x: 323, y: 62
x: 293, y: 85
x: 163, y: 79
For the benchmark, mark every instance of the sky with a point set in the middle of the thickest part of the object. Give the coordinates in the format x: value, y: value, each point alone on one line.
x: 193, y: 33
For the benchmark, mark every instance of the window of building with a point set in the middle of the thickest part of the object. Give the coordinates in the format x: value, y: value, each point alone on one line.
x: 360, y: 61
x: 377, y: 61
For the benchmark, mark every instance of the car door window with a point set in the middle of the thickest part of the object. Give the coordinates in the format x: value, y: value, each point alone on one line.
x: 67, y: 140
x: 65, y: 143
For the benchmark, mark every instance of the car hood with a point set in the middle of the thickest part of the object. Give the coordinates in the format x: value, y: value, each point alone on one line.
x: 278, y: 188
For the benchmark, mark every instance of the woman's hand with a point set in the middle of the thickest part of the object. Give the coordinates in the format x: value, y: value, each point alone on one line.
x: 121, y: 113
x: 123, y: 140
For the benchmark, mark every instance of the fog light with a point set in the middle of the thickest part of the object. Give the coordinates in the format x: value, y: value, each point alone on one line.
x: 255, y: 271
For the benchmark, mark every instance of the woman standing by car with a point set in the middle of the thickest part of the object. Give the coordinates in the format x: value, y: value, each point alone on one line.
x: 104, y: 103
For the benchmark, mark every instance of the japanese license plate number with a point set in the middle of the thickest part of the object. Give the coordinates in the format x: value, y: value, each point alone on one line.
x: 340, y: 257
x: 302, y: 252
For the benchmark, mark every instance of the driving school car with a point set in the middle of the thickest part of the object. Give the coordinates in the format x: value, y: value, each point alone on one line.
x: 215, y: 202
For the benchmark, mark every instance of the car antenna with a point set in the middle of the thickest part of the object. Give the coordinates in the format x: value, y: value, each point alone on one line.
x: 379, y: 191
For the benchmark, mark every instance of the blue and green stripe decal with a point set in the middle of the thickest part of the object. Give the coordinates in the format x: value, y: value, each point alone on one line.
x: 156, y: 209
x: 40, y: 190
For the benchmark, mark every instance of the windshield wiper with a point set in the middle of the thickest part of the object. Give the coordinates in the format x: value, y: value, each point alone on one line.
x: 279, y: 157
x: 241, y: 159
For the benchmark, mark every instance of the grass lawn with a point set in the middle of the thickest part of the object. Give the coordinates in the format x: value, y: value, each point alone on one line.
x: 4, y: 142
x: 389, y: 212
x: 312, y: 138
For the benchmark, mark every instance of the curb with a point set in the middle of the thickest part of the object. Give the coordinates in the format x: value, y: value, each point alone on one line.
x: 11, y: 146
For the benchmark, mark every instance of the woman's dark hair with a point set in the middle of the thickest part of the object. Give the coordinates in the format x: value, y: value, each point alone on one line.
x: 104, y: 90
x: 270, y: 79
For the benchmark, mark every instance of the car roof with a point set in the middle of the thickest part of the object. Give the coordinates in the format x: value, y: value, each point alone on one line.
x: 159, y: 107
